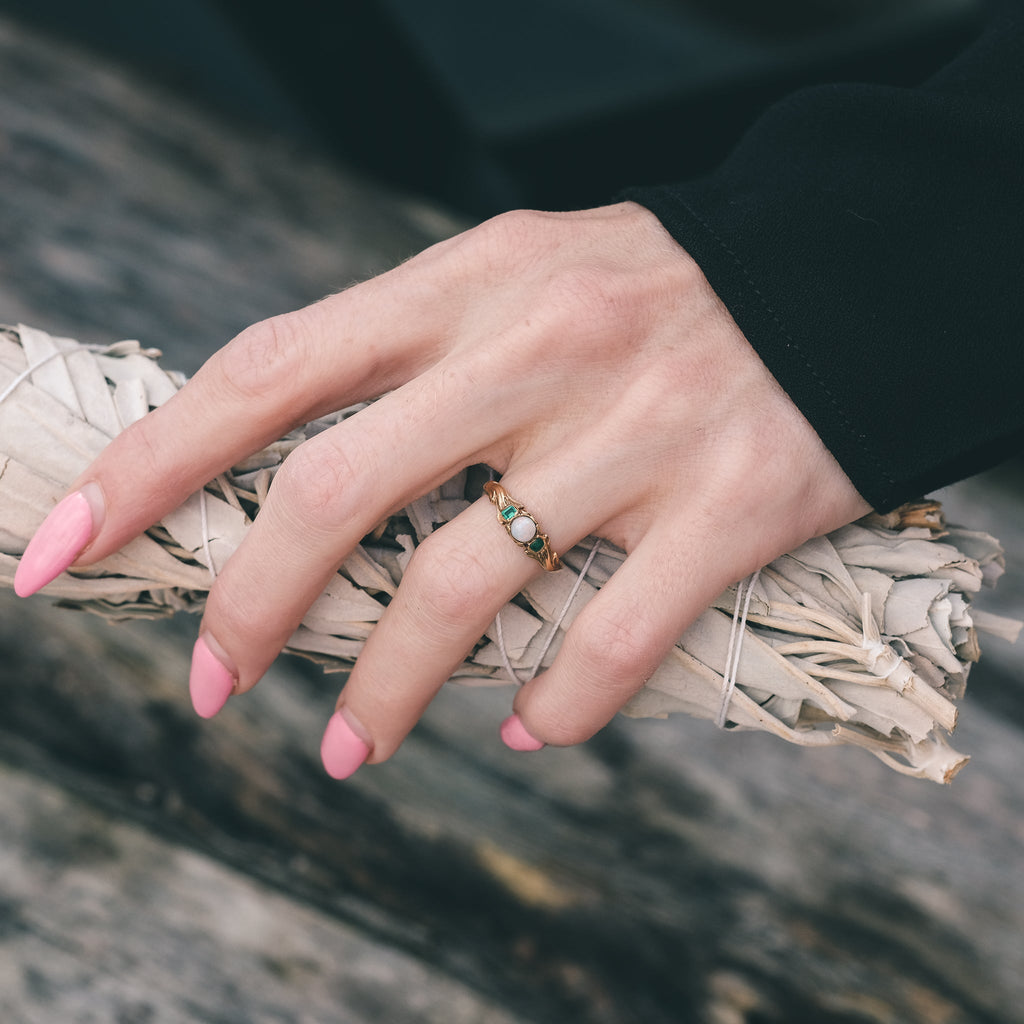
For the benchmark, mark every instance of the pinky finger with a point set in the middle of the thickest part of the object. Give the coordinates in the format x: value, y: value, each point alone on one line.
x: 615, y: 645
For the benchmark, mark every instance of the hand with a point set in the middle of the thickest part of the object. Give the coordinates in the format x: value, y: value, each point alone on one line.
x: 582, y: 355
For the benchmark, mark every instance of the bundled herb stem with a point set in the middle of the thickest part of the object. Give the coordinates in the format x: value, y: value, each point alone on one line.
x: 863, y: 637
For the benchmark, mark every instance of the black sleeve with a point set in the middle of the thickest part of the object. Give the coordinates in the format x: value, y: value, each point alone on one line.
x: 869, y: 242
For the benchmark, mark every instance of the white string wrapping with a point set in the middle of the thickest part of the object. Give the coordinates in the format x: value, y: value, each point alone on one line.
x: 506, y: 660
x: 39, y: 364
x: 736, y: 635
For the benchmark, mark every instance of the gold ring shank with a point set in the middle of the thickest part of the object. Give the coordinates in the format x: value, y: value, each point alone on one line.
x: 522, y: 527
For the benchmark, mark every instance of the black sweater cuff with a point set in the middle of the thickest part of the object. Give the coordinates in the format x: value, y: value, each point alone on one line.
x: 869, y: 242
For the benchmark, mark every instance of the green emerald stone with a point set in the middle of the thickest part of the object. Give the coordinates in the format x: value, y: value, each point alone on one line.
x: 537, y: 544
x: 508, y: 514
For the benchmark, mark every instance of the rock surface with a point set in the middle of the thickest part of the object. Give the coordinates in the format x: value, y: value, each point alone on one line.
x: 157, y: 868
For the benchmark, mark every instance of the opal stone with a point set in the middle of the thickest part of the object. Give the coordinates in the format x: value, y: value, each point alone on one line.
x: 523, y: 528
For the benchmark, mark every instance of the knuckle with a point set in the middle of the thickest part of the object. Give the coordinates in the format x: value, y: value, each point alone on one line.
x: 604, y: 660
x: 614, y: 649
x: 235, y: 627
x: 263, y: 360
x: 149, y: 459
x: 246, y: 630
x: 451, y: 587
x: 145, y: 439
x: 508, y: 242
x: 563, y: 731
x: 321, y: 484
x: 514, y: 228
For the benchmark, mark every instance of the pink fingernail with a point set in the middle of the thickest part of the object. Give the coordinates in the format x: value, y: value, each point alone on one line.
x: 59, y: 540
x: 342, y: 750
x: 515, y: 736
x: 210, y: 681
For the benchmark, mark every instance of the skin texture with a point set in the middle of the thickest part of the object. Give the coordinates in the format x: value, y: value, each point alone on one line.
x: 581, y: 355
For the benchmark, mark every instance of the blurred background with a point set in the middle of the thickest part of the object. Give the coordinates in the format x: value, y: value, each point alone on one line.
x: 173, y: 174
x: 544, y: 103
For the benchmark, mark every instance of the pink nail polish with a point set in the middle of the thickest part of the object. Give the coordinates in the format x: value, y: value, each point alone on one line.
x: 515, y: 736
x: 210, y: 682
x: 58, y: 541
x: 342, y: 750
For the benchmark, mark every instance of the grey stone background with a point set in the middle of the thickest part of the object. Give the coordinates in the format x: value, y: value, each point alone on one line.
x: 155, y: 868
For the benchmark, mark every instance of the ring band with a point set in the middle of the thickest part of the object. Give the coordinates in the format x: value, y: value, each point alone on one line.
x: 522, y: 527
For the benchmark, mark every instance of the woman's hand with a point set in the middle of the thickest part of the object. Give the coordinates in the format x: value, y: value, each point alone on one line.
x: 583, y: 356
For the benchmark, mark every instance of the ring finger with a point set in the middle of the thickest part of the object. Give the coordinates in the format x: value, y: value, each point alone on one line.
x: 456, y: 583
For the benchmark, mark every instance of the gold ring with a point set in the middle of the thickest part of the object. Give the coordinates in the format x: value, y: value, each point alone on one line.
x: 522, y: 527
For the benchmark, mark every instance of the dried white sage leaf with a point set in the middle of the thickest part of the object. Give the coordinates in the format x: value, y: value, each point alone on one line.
x: 863, y: 637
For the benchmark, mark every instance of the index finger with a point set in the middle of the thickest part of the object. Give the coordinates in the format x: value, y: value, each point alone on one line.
x: 272, y: 377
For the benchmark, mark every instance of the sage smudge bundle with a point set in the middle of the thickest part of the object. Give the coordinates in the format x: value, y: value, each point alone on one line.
x: 862, y: 637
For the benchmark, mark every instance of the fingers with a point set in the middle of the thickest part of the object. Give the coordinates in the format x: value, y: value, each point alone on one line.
x: 456, y: 583
x: 274, y: 376
x: 328, y: 494
x: 539, y: 345
x: 454, y: 586
x: 619, y: 639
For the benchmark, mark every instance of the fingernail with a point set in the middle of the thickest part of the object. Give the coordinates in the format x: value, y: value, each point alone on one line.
x: 515, y: 736
x: 59, y: 539
x: 342, y: 749
x: 210, y: 681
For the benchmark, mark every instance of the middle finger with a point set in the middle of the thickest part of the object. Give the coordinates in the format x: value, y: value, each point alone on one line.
x: 329, y: 493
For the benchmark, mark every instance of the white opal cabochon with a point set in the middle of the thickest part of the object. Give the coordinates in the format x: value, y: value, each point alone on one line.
x: 523, y: 528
